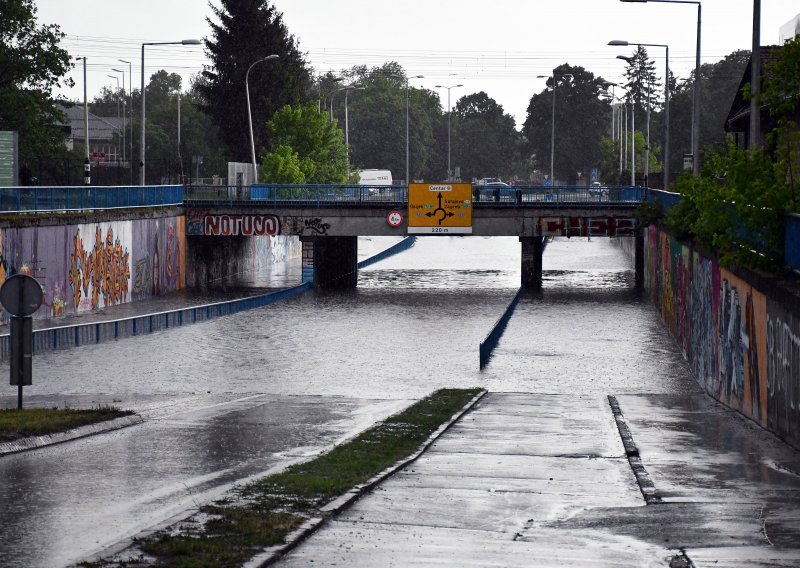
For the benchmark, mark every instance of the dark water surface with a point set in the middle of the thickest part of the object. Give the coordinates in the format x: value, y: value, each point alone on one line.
x: 235, y: 396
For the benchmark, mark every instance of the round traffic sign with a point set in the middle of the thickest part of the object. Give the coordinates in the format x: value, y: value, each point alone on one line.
x: 21, y: 295
x: 394, y: 218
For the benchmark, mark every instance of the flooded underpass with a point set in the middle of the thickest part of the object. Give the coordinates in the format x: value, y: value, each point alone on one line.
x: 236, y: 396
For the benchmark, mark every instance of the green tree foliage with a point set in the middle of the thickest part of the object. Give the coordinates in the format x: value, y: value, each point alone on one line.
x: 718, y: 84
x: 247, y: 31
x: 31, y: 65
x: 307, y: 148
x: 643, y: 87
x: 737, y: 205
x: 582, y: 119
x: 377, y: 122
x: 485, y: 137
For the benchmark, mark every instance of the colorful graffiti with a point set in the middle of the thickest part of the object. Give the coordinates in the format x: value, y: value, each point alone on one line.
x: 743, y: 347
x: 91, y: 266
x: 102, y: 271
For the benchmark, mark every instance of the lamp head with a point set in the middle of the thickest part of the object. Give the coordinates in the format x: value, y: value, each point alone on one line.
x: 619, y: 42
x: 190, y: 42
x: 273, y: 56
x: 638, y: 1
x: 117, y: 70
x: 630, y: 60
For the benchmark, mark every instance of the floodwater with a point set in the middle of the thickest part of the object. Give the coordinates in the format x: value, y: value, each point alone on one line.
x: 235, y: 396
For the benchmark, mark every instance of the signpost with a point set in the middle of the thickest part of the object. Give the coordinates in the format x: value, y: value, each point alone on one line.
x: 21, y: 296
x: 440, y: 208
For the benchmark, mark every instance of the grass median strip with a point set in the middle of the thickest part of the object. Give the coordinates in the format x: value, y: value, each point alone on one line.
x: 263, y: 512
x: 16, y: 424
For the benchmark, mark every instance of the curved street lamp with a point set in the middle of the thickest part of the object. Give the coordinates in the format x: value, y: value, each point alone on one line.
x: 622, y: 43
x: 553, y: 123
x: 141, y: 150
x: 249, y: 114
x: 449, y: 171
x: 696, y: 87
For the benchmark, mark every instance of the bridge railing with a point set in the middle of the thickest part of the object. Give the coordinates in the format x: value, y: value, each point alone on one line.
x: 44, y: 199
x: 277, y: 195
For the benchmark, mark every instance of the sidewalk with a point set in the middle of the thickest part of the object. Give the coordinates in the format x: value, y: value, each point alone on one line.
x: 544, y: 480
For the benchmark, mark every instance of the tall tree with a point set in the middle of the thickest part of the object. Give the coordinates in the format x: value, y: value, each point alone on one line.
x: 247, y: 31
x: 581, y: 121
x: 643, y: 87
x: 485, y: 137
x: 307, y: 148
x: 31, y: 65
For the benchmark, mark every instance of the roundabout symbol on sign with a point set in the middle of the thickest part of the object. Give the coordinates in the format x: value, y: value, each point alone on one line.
x: 394, y: 218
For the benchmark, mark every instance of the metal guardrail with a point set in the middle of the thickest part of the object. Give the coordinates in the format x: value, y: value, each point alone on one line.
x: 279, y: 195
x: 405, y: 244
x: 42, y: 199
x: 98, y: 332
x: 490, y: 342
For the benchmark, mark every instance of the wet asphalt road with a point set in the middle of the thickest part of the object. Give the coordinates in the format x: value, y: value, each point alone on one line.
x: 235, y: 396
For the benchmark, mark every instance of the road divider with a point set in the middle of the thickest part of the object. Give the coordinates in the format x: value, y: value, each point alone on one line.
x: 491, y: 340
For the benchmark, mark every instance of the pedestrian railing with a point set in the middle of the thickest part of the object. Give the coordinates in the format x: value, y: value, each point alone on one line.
x: 287, y: 195
x: 42, y: 199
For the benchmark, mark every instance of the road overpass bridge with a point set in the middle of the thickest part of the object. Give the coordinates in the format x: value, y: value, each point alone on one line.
x: 329, y: 218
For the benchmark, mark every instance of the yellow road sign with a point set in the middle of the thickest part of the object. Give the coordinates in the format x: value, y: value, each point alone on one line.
x: 440, y: 208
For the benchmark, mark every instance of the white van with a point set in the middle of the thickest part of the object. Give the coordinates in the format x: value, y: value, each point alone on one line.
x: 375, y: 180
x: 375, y: 177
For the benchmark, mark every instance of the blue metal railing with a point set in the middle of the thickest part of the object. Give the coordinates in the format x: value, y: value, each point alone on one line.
x: 405, y: 244
x: 666, y: 199
x: 41, y: 199
x: 490, y: 341
x: 282, y: 195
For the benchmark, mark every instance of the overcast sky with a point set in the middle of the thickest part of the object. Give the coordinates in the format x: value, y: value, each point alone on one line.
x: 498, y: 47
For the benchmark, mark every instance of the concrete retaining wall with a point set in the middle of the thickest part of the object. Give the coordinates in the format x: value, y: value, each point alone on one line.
x: 739, y: 331
x: 92, y: 265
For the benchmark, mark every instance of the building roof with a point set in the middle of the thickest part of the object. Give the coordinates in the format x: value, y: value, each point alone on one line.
x: 100, y: 127
x: 738, y: 119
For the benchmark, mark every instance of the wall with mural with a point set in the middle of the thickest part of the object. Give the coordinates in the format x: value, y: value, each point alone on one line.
x: 743, y: 345
x: 90, y: 266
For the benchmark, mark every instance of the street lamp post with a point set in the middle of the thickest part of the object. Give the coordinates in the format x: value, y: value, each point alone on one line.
x: 130, y: 112
x: 141, y: 150
x: 347, y: 124
x: 249, y: 114
x: 553, y: 124
x: 408, y: 153
x: 119, y: 130
x: 617, y: 42
x: 449, y: 170
x: 696, y: 86
x: 123, y: 111
x: 87, y: 165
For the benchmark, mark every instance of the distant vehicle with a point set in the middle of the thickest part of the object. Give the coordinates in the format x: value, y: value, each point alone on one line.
x: 375, y: 180
x: 597, y: 189
x: 494, y: 190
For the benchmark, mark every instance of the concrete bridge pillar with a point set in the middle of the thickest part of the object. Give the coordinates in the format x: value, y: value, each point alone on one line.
x: 330, y: 262
x: 532, y: 249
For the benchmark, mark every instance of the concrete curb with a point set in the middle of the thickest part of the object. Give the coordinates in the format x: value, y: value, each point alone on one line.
x: 35, y: 442
x: 272, y: 554
x: 646, y: 485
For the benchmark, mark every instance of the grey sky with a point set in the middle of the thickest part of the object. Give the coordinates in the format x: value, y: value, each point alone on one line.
x: 498, y: 47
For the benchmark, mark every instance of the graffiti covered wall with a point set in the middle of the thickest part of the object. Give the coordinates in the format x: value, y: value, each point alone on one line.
x: 90, y: 266
x: 743, y: 346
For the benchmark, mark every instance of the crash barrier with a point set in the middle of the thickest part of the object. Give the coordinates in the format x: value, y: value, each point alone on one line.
x: 491, y: 340
x: 99, y: 332
x: 403, y: 245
